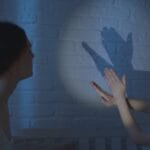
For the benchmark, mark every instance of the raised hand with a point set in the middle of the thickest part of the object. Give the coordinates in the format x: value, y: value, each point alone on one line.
x: 116, y: 85
x: 120, y: 52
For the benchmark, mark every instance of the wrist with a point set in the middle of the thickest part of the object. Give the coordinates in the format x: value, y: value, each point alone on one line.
x: 119, y: 96
x: 119, y: 99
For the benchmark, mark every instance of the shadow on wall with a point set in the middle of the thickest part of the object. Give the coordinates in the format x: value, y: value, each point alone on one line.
x: 120, y: 52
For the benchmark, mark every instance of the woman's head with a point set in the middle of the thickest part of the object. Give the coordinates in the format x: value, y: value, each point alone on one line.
x: 14, y: 48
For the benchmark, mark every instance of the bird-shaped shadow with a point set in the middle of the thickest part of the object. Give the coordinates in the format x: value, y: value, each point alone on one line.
x: 120, y: 52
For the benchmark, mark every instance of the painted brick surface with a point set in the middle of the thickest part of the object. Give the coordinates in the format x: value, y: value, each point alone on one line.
x: 59, y: 95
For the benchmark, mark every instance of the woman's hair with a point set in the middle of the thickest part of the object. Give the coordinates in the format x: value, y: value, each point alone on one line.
x: 12, y: 42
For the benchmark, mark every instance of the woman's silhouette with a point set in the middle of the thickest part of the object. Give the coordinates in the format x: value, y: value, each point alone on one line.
x: 15, y: 65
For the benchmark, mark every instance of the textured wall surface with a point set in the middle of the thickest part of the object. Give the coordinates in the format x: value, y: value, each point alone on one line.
x: 73, y: 41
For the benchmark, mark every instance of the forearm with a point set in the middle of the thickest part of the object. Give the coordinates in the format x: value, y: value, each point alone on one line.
x: 135, y: 132
x: 118, y: 90
x: 138, y: 105
x: 128, y: 120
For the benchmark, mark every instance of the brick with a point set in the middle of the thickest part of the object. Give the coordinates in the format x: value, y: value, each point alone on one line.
x: 56, y: 94
x: 79, y: 35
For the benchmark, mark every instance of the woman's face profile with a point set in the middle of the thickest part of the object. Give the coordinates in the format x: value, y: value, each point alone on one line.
x: 26, y: 61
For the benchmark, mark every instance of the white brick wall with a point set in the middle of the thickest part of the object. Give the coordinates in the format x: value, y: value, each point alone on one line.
x: 58, y: 94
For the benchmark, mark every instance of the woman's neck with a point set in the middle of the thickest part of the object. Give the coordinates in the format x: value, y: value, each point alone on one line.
x: 7, y: 86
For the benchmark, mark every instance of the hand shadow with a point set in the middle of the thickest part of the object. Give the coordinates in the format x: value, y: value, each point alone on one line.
x: 120, y: 53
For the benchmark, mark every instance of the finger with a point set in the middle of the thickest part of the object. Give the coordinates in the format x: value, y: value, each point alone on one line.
x: 104, y: 102
x: 108, y: 81
x: 109, y: 77
x: 114, y: 75
x: 95, y: 85
x: 109, y: 73
x: 124, y: 79
x: 100, y: 91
